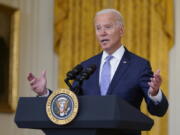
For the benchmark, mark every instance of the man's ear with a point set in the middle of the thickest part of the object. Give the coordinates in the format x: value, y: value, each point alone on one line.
x: 122, y: 30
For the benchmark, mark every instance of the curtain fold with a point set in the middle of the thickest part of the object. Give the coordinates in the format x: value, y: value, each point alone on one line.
x: 148, y: 32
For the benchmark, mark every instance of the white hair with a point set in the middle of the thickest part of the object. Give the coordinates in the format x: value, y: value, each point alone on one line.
x: 118, y: 15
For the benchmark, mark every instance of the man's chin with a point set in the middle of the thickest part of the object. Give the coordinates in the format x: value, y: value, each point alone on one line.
x: 105, y: 47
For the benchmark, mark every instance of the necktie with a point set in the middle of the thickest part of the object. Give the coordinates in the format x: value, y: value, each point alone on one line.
x: 105, y: 76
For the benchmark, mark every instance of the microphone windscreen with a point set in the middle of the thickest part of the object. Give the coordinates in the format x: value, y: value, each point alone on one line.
x: 74, y: 72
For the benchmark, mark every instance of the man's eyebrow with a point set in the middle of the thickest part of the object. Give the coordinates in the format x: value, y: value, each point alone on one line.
x: 108, y: 24
x: 97, y: 25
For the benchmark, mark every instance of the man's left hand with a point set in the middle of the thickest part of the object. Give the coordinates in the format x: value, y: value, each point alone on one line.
x: 155, y: 83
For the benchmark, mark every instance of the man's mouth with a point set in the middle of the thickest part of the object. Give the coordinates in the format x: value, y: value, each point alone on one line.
x: 104, y: 40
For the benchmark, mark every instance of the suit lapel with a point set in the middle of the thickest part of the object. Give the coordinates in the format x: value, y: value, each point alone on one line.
x: 96, y: 79
x: 123, y: 66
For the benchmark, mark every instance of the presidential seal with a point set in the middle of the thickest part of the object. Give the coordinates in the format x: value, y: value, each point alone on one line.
x: 62, y: 106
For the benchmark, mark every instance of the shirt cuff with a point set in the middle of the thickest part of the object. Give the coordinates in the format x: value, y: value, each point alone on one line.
x: 156, y: 99
x: 46, y: 95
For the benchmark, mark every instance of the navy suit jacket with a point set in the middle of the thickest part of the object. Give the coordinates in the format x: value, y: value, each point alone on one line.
x: 130, y: 82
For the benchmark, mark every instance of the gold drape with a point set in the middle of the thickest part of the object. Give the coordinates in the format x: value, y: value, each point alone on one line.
x: 148, y: 33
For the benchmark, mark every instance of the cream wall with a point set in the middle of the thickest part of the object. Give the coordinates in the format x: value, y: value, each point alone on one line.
x: 174, y: 79
x: 36, y: 53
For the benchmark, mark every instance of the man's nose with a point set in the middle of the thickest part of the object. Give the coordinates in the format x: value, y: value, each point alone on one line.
x: 103, y: 32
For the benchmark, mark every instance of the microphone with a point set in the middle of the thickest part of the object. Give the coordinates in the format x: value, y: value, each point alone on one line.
x: 87, y: 72
x: 78, y: 74
x: 71, y: 75
x: 84, y: 75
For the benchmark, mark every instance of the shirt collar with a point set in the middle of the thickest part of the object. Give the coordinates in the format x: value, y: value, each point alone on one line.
x: 117, y: 54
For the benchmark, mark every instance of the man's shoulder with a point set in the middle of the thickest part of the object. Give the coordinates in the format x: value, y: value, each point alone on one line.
x: 138, y: 63
x: 136, y: 58
x: 92, y: 60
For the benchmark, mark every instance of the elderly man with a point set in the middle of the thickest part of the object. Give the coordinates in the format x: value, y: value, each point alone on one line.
x: 119, y: 72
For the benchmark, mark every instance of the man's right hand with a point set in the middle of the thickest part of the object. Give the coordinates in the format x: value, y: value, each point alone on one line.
x: 38, y: 85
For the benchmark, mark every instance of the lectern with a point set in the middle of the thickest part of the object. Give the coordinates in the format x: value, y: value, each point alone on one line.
x: 98, y: 115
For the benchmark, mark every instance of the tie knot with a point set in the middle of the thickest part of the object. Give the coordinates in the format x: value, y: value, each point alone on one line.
x: 109, y: 57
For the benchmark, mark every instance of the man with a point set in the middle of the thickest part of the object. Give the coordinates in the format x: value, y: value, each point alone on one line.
x: 119, y: 72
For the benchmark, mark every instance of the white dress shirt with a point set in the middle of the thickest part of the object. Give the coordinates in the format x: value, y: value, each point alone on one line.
x: 114, y: 62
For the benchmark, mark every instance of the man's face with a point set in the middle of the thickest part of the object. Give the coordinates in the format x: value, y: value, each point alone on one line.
x: 108, y: 32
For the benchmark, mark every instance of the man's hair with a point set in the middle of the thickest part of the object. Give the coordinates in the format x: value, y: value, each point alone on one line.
x: 117, y: 14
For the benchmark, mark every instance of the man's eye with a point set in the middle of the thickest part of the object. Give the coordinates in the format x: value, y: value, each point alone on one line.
x: 98, y: 28
x: 108, y: 27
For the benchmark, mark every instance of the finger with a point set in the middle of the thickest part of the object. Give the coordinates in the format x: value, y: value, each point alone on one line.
x: 152, y: 85
x: 30, y: 77
x: 32, y: 82
x: 150, y: 90
x: 33, y: 87
x: 153, y: 80
x: 156, y: 76
x: 158, y: 80
x: 157, y: 72
x: 155, y: 83
x: 36, y: 88
x: 43, y: 74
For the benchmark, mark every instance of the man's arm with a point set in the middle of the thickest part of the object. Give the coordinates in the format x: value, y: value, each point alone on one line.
x: 150, y: 85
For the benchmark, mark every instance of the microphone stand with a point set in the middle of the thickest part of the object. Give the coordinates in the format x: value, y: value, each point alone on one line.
x: 68, y: 84
x: 71, y: 75
x: 75, y: 89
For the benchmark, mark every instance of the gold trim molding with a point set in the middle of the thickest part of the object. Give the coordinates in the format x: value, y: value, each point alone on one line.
x: 9, y: 96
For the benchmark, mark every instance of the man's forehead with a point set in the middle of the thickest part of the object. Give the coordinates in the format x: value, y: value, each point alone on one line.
x: 105, y: 15
x: 105, y: 18
x: 104, y: 24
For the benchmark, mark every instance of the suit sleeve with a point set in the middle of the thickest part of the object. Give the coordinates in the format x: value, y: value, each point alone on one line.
x: 155, y: 109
